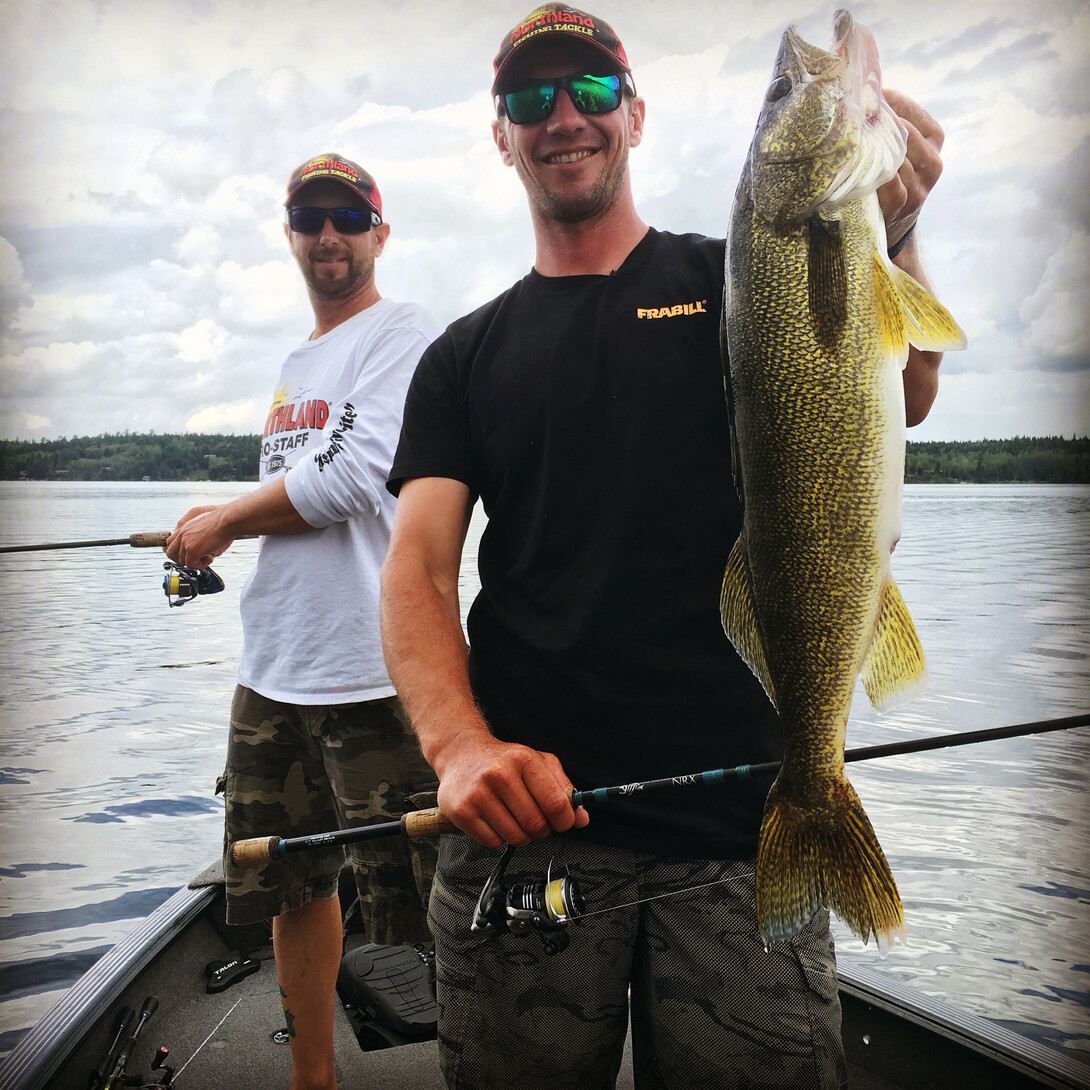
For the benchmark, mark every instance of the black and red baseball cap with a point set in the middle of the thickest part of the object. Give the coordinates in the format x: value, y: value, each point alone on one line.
x: 559, y: 19
x: 336, y: 168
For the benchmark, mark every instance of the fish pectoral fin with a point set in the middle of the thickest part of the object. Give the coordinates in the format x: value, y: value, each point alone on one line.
x: 930, y: 326
x: 827, y: 280
x: 740, y: 617
x: 894, y: 670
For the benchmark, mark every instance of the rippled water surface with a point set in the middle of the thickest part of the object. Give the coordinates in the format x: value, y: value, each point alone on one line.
x: 113, y: 730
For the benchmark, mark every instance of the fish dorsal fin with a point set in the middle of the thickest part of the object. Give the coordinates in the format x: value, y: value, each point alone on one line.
x: 827, y: 280
x: 740, y: 618
x: 894, y: 670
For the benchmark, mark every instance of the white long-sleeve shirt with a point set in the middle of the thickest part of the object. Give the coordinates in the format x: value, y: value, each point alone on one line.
x: 310, y: 619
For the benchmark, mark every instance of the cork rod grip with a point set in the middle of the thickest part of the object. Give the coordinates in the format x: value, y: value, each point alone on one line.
x: 432, y: 822
x: 149, y: 540
x: 251, y: 853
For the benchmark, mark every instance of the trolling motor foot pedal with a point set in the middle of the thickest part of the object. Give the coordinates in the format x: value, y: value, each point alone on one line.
x: 222, y: 974
x: 388, y: 990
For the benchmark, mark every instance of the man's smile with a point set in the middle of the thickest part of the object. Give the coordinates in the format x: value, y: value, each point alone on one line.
x: 560, y: 157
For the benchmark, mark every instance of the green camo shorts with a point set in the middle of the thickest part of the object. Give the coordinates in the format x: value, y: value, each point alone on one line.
x: 710, y: 1007
x: 299, y: 770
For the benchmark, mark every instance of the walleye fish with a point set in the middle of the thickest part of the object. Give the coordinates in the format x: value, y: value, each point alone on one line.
x: 818, y: 322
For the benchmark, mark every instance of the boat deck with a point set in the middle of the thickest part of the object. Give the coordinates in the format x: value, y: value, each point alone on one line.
x: 225, y: 1041
x: 230, y: 1040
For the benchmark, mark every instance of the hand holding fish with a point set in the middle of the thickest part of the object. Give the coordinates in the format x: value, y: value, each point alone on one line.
x: 902, y: 197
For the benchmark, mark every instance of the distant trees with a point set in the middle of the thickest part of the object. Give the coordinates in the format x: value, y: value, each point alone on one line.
x: 131, y: 457
x: 1051, y: 460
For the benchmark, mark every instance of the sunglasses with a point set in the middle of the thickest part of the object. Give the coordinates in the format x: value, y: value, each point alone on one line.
x: 534, y: 100
x: 346, y: 221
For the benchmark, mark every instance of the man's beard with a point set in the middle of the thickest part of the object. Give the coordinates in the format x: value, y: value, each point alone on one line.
x: 357, y: 271
x: 588, y: 207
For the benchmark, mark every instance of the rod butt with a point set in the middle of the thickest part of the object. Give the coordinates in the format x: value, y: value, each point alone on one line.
x: 252, y: 853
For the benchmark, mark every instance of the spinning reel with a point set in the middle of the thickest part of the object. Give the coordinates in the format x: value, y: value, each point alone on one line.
x: 544, y: 907
x: 184, y: 584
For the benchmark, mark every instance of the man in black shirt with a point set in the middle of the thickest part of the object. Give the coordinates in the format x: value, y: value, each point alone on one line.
x: 585, y: 408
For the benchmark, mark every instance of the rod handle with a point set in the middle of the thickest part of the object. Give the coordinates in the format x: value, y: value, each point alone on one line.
x: 252, y: 853
x: 433, y: 822
x: 149, y: 540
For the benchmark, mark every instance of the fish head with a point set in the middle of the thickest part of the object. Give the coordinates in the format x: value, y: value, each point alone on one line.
x: 826, y: 134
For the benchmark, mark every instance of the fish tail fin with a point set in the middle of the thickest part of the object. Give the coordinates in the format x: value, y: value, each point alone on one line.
x: 739, y: 616
x: 910, y: 314
x: 894, y: 670
x: 808, y: 858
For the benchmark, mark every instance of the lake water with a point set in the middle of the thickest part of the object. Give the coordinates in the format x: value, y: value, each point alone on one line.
x: 113, y: 726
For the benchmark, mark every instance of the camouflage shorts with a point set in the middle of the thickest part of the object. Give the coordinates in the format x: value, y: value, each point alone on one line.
x: 298, y: 770
x: 710, y: 1007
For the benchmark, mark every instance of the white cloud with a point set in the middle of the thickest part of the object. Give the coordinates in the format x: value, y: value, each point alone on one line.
x: 12, y: 283
x: 1056, y: 313
x: 238, y: 417
x: 202, y: 343
x: 200, y: 245
x: 258, y: 296
x: 155, y: 245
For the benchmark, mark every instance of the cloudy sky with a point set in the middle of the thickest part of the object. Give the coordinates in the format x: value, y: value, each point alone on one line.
x: 144, y: 279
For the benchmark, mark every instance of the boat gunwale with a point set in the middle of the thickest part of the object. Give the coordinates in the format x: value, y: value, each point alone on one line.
x: 1012, y: 1050
x: 37, y: 1057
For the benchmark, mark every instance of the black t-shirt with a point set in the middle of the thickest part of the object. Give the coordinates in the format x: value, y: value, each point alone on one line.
x: 588, y: 414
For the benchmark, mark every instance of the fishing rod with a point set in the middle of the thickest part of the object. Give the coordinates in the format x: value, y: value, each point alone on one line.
x: 180, y: 584
x: 865, y: 753
x: 116, y: 1077
x: 433, y: 822
x: 149, y: 540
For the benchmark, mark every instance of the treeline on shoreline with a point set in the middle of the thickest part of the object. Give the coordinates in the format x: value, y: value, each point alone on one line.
x: 1051, y: 460
x: 133, y: 456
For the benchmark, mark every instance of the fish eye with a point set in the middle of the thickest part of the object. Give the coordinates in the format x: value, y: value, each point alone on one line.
x: 778, y: 88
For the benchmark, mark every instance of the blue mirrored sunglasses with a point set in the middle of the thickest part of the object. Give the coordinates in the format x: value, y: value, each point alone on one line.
x: 346, y: 221
x: 534, y: 100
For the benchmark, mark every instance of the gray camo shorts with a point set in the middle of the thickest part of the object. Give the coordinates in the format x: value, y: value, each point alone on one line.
x: 711, y: 1008
x: 299, y: 770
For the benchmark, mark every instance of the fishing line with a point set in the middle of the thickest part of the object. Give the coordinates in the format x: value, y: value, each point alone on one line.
x: 178, y: 1074
x: 669, y: 893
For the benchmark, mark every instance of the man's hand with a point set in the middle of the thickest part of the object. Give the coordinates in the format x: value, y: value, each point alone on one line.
x: 503, y: 793
x: 199, y: 537
x: 902, y: 197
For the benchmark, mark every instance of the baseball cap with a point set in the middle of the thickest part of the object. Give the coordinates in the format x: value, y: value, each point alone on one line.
x: 336, y: 168
x: 557, y: 19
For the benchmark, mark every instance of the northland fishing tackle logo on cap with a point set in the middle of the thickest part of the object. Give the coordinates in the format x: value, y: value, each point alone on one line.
x: 552, y: 18
x: 337, y: 169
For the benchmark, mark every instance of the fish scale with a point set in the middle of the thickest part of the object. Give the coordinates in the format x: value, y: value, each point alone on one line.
x: 817, y: 327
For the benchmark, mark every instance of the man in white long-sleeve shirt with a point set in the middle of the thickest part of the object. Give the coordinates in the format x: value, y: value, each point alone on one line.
x: 318, y: 737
